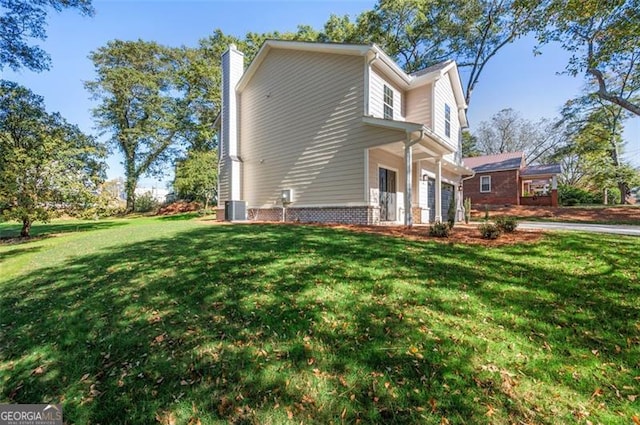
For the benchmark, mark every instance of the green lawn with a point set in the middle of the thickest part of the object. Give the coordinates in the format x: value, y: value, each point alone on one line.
x: 169, y: 321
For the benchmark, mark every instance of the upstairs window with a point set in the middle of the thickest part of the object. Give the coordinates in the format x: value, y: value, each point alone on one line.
x: 447, y: 120
x: 388, y: 103
x: 485, y: 184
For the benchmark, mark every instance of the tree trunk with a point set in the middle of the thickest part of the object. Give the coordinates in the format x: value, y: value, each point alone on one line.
x: 26, y: 227
x: 623, y: 192
x: 130, y: 190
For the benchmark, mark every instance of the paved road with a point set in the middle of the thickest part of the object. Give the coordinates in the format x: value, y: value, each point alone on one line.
x: 581, y: 227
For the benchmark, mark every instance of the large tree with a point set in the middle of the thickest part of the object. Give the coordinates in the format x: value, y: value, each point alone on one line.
x: 507, y: 131
x: 420, y: 33
x: 46, y: 164
x: 153, y: 99
x: 24, y: 21
x: 594, y: 128
x: 603, y: 38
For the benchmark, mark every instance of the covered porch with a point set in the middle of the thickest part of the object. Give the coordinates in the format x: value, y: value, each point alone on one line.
x: 539, y: 185
x: 414, y: 179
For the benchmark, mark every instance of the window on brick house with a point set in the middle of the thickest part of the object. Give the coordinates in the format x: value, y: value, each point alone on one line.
x: 388, y: 103
x: 485, y: 184
x: 447, y: 120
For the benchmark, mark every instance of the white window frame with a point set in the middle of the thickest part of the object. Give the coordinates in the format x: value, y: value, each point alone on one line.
x: 447, y: 120
x: 387, y: 102
x: 482, y: 179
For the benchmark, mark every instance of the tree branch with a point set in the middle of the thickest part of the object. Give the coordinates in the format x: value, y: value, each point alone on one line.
x: 604, y: 94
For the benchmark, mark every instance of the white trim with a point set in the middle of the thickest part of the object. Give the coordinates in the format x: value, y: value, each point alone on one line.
x: 447, y: 122
x: 367, y: 195
x: 485, y: 191
x: 438, y: 192
x: 397, y: 170
x: 367, y: 82
x: 393, y: 124
x: 387, y: 88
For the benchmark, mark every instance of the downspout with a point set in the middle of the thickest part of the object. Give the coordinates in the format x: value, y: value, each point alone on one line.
x: 460, y: 210
x: 367, y: 77
x: 408, y: 163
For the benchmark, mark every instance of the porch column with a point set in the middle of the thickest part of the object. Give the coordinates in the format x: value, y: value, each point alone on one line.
x: 408, y: 159
x: 438, y: 216
x: 554, y: 191
x: 459, y: 202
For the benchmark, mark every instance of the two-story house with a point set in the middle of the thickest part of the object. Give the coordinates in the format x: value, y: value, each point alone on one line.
x: 338, y: 133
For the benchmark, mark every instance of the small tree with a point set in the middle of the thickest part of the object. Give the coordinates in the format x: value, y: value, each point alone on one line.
x: 467, y: 210
x: 197, y: 177
x: 47, y: 165
x: 451, y: 212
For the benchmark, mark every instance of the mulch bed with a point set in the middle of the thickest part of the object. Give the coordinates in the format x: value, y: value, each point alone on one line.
x: 179, y: 207
x: 461, y: 233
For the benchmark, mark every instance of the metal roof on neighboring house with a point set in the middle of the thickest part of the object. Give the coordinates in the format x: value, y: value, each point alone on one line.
x: 538, y: 170
x: 498, y: 162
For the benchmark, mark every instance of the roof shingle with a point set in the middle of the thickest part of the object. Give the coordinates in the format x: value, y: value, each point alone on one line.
x: 498, y: 162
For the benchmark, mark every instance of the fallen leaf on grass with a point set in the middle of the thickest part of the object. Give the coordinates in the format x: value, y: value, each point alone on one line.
x: 166, y: 418
x: 635, y: 420
x: 490, y: 410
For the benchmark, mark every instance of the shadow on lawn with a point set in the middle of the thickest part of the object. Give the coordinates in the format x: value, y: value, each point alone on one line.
x: 256, y: 324
x: 11, y: 233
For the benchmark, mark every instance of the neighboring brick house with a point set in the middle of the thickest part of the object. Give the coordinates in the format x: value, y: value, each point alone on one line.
x: 338, y: 133
x: 504, y: 179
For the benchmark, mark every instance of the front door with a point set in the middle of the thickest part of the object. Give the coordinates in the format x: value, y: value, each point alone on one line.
x: 387, y: 195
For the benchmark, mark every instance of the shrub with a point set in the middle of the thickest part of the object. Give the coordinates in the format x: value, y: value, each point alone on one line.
x: 489, y: 231
x: 451, y: 213
x: 146, y: 203
x: 569, y: 195
x: 506, y: 224
x: 467, y: 210
x: 439, y: 230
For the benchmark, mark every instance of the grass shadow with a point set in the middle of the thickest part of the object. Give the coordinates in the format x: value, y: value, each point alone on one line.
x: 180, y: 217
x: 276, y: 324
x: 10, y: 232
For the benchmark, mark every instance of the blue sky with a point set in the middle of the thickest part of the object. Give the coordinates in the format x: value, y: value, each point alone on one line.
x: 513, y: 79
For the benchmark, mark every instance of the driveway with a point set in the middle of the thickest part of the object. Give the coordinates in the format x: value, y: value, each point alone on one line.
x: 581, y: 227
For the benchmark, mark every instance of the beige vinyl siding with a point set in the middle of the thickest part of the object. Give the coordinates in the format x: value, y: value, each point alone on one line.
x: 376, y: 96
x: 444, y: 95
x: 419, y: 102
x: 301, y: 129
